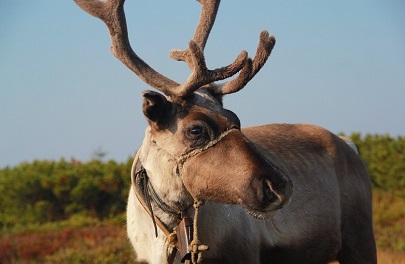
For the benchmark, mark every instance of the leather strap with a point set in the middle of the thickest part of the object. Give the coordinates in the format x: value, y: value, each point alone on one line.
x: 138, y: 170
x: 183, y: 235
x: 138, y: 179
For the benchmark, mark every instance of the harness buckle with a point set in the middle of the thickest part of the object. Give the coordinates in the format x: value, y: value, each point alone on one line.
x: 184, y: 232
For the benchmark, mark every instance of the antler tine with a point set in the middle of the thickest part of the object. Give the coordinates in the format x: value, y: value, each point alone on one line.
x: 208, y: 14
x: 112, y: 14
x: 201, y: 76
x: 251, y: 68
x: 194, y: 55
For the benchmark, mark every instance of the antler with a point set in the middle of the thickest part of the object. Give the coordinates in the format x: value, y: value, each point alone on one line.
x: 112, y: 13
x: 209, y: 9
x: 251, y: 67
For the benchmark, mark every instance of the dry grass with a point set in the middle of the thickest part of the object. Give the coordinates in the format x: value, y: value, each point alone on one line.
x: 97, y: 244
x: 101, y: 244
x: 388, y: 257
x: 389, y: 221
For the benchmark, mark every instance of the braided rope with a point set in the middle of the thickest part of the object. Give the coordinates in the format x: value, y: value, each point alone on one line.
x: 195, y: 247
x: 183, y: 157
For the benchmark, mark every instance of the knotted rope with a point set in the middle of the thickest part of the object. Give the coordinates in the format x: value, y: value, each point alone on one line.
x: 195, y: 247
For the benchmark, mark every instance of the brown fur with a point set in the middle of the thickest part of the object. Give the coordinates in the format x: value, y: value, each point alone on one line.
x: 328, y: 218
x: 331, y: 187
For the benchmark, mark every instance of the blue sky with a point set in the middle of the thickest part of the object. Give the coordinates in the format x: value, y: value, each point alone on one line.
x: 336, y: 64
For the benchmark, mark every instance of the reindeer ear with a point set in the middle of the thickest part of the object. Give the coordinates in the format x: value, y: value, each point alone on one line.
x: 156, y: 107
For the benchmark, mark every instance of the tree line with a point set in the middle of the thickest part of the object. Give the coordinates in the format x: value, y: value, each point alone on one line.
x: 44, y: 191
x: 384, y: 157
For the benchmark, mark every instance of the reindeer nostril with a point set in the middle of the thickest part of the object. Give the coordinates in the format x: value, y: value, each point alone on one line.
x: 268, y: 194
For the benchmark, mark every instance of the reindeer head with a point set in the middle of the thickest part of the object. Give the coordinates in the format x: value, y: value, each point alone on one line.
x: 189, y: 130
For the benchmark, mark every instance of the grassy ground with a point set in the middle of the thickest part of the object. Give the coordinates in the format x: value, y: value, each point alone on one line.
x: 97, y: 244
x: 389, y: 221
x: 84, y: 240
x: 100, y: 244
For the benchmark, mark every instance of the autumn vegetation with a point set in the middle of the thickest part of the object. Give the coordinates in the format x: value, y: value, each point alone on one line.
x: 69, y: 211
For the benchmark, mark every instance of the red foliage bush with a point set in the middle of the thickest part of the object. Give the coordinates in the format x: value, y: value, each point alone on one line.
x: 34, y: 246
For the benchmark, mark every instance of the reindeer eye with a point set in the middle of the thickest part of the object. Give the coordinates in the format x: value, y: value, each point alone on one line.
x: 198, y: 135
x: 196, y: 131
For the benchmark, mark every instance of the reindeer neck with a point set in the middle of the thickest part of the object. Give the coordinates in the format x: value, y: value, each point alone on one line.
x: 169, y: 196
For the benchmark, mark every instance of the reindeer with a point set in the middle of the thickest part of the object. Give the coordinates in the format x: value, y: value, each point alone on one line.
x: 276, y: 193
